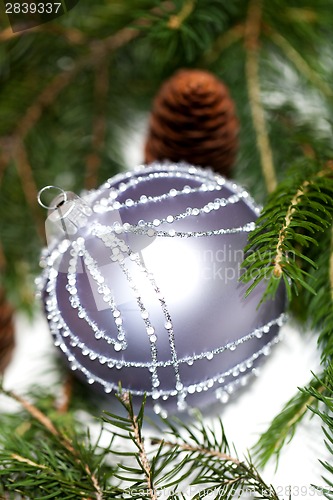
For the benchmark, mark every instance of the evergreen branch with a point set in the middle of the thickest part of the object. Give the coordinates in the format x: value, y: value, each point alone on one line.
x: 27, y: 461
x: 99, y: 125
x: 16, y: 148
x: 194, y: 455
x: 197, y: 449
x: 69, y: 33
x: 2, y: 258
x: 29, y: 187
x: 96, y: 54
x: 72, y: 35
x: 320, y: 316
x: 320, y: 307
x: 176, y: 20
x: 6, y: 34
x: 123, y: 36
x: 34, y: 412
x: 278, y: 268
x: 62, y: 438
x: 325, y: 411
x: 224, y: 41
x: 306, y: 15
x: 299, y: 62
x: 331, y: 267
x: 208, y: 458
x: 63, y: 79
x: 46, y: 98
x: 295, y: 215
x: 282, y: 428
x: 136, y: 424
x: 5, y: 145
x: 252, y: 34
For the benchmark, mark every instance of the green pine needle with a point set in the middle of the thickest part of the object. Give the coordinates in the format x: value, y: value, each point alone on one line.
x: 295, y: 215
x: 40, y: 459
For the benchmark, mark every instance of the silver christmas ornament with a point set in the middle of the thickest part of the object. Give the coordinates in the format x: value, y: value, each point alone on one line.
x: 144, y: 289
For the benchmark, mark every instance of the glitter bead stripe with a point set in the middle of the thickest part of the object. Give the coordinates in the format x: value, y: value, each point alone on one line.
x: 100, y: 232
x: 78, y: 249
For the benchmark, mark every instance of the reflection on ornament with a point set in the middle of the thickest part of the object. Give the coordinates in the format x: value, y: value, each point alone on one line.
x: 166, y: 258
x: 147, y: 291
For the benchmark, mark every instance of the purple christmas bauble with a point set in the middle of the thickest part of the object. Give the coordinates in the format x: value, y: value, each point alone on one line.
x: 146, y: 291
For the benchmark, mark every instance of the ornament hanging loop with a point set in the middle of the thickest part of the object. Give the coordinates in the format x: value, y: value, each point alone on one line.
x: 66, y: 213
x: 56, y: 203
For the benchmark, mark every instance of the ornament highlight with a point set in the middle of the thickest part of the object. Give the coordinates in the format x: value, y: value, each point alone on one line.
x: 146, y: 292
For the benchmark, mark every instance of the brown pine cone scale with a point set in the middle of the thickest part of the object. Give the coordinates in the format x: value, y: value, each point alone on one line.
x: 193, y: 119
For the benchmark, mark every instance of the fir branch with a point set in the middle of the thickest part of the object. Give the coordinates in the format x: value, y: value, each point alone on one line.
x: 99, y: 124
x: 27, y: 461
x: 34, y: 412
x: 52, y: 90
x: 63, y: 440
x: 330, y: 269
x: 295, y: 215
x: 196, y: 454
x: 197, y: 449
x: 224, y: 41
x: 123, y: 36
x: 13, y: 147
x: 252, y: 34
x: 46, y: 98
x: 320, y: 317
x: 208, y: 460
x: 136, y: 424
x: 5, y: 145
x: 298, y: 61
x: 2, y: 259
x: 6, y: 34
x: 29, y: 187
x: 72, y: 35
x: 279, y: 251
x: 325, y: 410
x: 320, y: 307
x: 96, y: 54
x: 176, y: 20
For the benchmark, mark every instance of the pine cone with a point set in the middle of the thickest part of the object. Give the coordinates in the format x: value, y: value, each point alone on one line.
x: 7, y: 340
x: 193, y: 119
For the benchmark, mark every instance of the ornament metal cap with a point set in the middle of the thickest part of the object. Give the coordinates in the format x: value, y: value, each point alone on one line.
x: 67, y: 213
